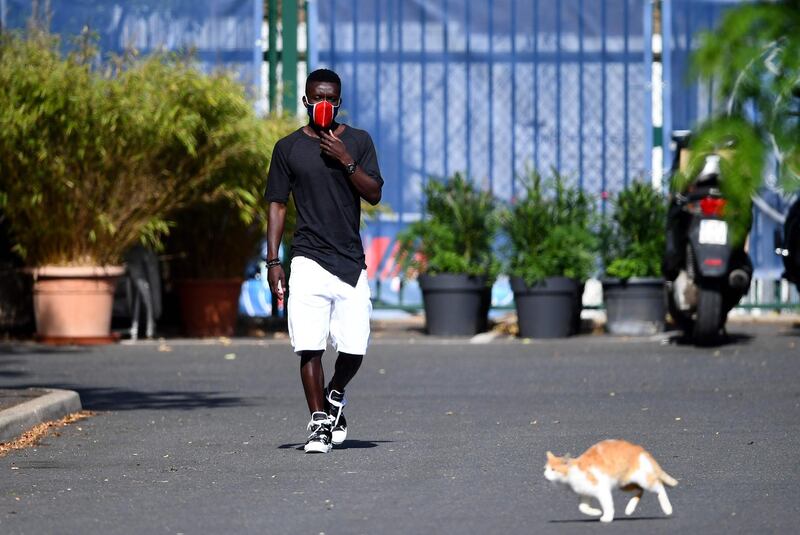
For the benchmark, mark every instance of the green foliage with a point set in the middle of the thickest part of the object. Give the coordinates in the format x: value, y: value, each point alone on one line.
x: 633, y: 236
x: 550, y: 231
x: 95, y: 160
x: 371, y: 212
x: 211, y: 240
x: 215, y: 238
x: 457, y: 232
x: 753, y: 59
x: 741, y: 164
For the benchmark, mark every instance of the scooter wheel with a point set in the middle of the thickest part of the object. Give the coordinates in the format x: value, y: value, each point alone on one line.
x: 709, y: 320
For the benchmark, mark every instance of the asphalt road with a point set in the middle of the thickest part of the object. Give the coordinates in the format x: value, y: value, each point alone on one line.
x: 446, y: 437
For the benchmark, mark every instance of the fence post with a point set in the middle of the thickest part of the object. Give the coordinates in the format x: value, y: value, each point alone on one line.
x: 666, y: 94
x: 289, y: 55
x: 312, y: 23
x: 272, y: 54
x: 655, y: 179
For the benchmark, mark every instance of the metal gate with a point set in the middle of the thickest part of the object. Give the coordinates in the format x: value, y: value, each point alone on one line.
x: 491, y: 89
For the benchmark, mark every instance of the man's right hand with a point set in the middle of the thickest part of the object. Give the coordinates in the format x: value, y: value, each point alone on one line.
x: 277, y: 282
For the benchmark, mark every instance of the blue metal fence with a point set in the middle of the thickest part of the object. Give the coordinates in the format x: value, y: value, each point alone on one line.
x: 491, y: 89
x: 222, y: 33
x: 685, y: 101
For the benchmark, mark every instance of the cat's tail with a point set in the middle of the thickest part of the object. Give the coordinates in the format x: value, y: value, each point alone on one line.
x: 662, y: 475
x: 667, y: 479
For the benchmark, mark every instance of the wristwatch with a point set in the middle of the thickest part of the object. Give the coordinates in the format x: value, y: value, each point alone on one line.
x: 350, y: 168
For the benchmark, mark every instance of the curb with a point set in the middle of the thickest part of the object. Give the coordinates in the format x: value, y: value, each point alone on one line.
x: 53, y: 405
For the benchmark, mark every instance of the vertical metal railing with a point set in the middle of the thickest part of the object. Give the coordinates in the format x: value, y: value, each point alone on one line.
x: 504, y: 86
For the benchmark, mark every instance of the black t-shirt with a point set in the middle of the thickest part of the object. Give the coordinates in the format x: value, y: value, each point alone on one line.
x: 328, y: 205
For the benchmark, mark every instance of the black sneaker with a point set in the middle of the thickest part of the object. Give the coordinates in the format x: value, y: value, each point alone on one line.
x: 336, y: 401
x: 319, y: 441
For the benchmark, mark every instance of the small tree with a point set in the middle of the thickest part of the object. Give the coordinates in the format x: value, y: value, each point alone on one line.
x: 753, y: 58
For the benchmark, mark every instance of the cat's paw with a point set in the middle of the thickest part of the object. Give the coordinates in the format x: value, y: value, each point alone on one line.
x: 631, y: 507
x: 587, y: 509
x: 606, y: 518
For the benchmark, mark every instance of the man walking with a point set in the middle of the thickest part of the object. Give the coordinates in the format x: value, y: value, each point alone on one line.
x: 328, y: 167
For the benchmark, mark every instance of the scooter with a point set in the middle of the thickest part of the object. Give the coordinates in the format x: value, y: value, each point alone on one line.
x: 787, y: 246
x: 705, y: 274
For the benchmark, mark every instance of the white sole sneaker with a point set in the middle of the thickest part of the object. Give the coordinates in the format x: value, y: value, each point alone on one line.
x: 317, y: 447
x: 338, y: 436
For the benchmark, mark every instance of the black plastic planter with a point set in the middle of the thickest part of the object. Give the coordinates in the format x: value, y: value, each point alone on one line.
x: 634, y: 307
x: 455, y: 305
x: 548, y: 309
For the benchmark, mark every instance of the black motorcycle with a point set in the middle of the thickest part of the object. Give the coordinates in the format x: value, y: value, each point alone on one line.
x: 705, y: 274
x: 788, y: 245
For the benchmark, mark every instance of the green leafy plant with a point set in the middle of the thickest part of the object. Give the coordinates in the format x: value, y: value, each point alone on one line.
x: 753, y: 60
x: 633, y: 236
x: 457, y: 231
x: 549, y: 231
x: 742, y: 158
x: 94, y: 159
x: 216, y: 238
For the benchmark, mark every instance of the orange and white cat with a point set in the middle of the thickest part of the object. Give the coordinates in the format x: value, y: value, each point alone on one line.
x: 609, y: 464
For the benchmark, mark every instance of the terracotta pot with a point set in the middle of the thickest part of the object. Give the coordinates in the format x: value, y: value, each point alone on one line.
x: 73, y: 304
x: 209, y: 307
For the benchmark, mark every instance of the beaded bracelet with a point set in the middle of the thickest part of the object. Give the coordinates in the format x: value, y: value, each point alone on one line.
x: 274, y: 262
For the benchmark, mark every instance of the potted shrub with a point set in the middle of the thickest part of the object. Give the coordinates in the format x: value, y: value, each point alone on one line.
x: 212, y: 242
x: 551, y: 253
x: 210, y: 246
x: 94, y: 160
x: 451, y: 250
x: 633, y: 240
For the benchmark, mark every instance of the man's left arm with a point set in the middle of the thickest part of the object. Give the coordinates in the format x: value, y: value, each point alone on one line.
x: 368, y: 186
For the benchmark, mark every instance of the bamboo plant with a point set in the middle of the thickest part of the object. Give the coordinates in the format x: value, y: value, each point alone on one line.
x: 95, y: 158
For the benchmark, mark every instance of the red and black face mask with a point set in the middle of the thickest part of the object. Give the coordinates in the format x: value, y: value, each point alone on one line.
x: 322, y: 113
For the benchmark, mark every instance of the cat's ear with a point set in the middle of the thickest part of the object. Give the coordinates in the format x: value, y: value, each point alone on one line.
x: 550, y: 455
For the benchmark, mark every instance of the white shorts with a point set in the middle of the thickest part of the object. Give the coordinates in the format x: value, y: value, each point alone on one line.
x: 321, y: 304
